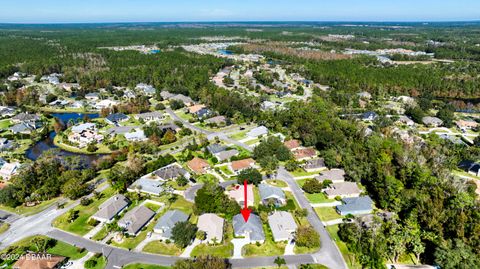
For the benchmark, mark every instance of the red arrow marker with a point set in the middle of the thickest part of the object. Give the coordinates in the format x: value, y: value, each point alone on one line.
x: 245, y: 211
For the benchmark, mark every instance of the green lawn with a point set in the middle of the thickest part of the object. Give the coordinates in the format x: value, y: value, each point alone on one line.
x: 183, y: 205
x: 4, y: 227
x: 101, y: 262
x: 132, y: 242
x: 318, y: 198
x: 347, y: 255
x: 31, y: 210
x: 327, y: 213
x: 268, y: 248
x: 101, y: 234
x: 207, y: 178
x: 158, y: 247
x: 277, y: 182
x: 225, y: 170
x: 102, y: 149
x: 302, y: 173
x: 240, y: 135
x: 79, y: 225
x: 152, y: 206
x: 5, y: 123
x: 222, y: 251
x: 144, y: 266
x: 67, y: 250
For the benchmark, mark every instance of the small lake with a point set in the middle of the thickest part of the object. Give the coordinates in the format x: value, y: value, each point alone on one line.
x: 37, y: 150
x: 225, y: 52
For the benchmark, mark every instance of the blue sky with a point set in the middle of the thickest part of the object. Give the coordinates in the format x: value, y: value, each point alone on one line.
x: 59, y: 11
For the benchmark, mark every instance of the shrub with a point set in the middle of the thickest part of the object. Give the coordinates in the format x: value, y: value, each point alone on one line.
x: 90, y: 263
x: 312, y: 186
x: 306, y: 236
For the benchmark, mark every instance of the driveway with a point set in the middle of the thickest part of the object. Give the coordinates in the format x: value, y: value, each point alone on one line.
x: 238, y: 244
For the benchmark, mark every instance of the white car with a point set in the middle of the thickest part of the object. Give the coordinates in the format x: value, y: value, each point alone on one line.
x: 66, y: 265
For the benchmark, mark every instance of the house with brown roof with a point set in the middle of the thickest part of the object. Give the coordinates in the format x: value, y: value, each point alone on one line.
x: 466, y: 124
x: 292, y: 144
x: 39, y: 261
x: 304, y: 154
x: 238, y: 194
x: 237, y: 166
x: 198, y: 165
x: 195, y: 108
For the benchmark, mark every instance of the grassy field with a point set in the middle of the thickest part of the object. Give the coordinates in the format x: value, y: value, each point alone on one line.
x: 4, y: 227
x: 221, y: 251
x: 277, y: 183
x: 349, y: 257
x: 5, y: 123
x: 30, y: 210
x: 158, y: 247
x: 327, y: 213
x: 66, y: 250
x: 79, y: 225
x: 318, y: 198
x: 144, y: 266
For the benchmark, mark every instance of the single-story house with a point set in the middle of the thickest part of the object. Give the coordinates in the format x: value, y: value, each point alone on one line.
x: 150, y: 116
x: 252, y: 229
x: 116, y: 118
x: 257, y: 132
x: 93, y: 96
x: 111, y: 208
x: 187, y: 101
x: 83, y: 127
x: 283, y: 225
x: 226, y: 154
x: 218, y: 120
x: 203, y: 113
x: 120, y: 130
x: 137, y: 135
x: 238, y: 194
x: 107, y: 103
x: 335, y: 175
x: 8, y: 170
x: 240, y: 165
x: 198, y: 165
x: 148, y: 186
x: 170, y: 126
x: 343, y: 189
x: 466, y: 124
x: 215, y: 148
x: 273, y: 194
x: 355, y: 206
x: 25, y: 117
x: 292, y: 144
x: 474, y: 169
x: 135, y: 219
x: 166, y: 223
x: 39, y: 261
x: 148, y: 90
x: 6, y: 144
x: 304, y: 154
x: 195, y: 108
x: 314, y: 165
x: 171, y: 171
x: 369, y: 116
x: 212, y: 225
x: 22, y: 128
x: 406, y: 120
x: 432, y: 121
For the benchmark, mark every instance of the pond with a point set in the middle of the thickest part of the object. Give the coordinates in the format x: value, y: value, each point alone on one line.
x: 226, y: 52
x: 37, y: 150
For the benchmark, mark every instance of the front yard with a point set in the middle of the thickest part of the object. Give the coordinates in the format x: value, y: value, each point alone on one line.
x: 327, y: 213
x: 157, y: 247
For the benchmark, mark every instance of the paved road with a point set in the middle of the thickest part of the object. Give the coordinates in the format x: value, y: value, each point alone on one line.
x: 8, y: 217
x: 210, y: 135
x: 329, y: 255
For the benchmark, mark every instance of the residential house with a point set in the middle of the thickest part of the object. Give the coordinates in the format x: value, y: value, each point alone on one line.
x: 111, y: 208
x: 84, y: 127
x: 237, y: 166
x: 432, y: 121
x: 212, y: 225
x: 283, y: 226
x: 198, y: 165
x: 107, y: 103
x: 6, y: 111
x: 85, y: 137
x: 334, y: 175
x: 171, y: 171
x: 8, y: 170
x: 474, y: 169
x: 251, y: 230
x: 314, y: 165
x: 187, y: 101
x: 147, y: 186
x: 26, y: 118
x: 292, y: 144
x: 150, y: 116
x: 304, y: 154
x: 134, y: 220
x: 343, y: 189
x: 466, y: 124
x: 22, y: 128
x: 203, y: 113
x: 120, y: 130
x: 166, y: 95
x: 39, y: 261
x: 355, y: 206
x: 218, y: 120
x: 238, y: 194
x: 226, y: 155
x: 272, y: 195
x: 166, y: 223
x: 215, y: 148
x: 406, y: 120
x: 267, y: 105
x: 93, y: 96
x: 148, y: 90
x: 195, y: 108
x: 257, y: 132
x: 6, y: 144
x: 136, y: 136
x: 116, y: 118
x: 172, y: 127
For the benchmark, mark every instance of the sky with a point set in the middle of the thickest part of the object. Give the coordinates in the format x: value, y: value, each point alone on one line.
x: 76, y: 11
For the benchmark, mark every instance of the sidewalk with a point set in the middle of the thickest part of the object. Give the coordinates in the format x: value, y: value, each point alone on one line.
x: 189, y: 248
x: 94, y: 231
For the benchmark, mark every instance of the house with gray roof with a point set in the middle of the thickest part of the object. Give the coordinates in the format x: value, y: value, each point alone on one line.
x: 432, y: 121
x: 226, y: 154
x: 166, y: 223
x: 111, y: 208
x: 136, y: 135
x: 22, y: 128
x: 120, y: 130
x: 25, y: 117
x: 257, y: 132
x: 171, y: 171
x: 84, y: 127
x: 315, y: 165
x: 219, y: 120
x: 271, y: 194
x: 215, y: 148
x: 116, y: 118
x: 334, y: 175
x: 283, y: 225
x: 343, y: 189
x: 252, y: 229
x: 147, y: 186
x: 355, y: 206
x: 150, y: 116
x: 135, y: 219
